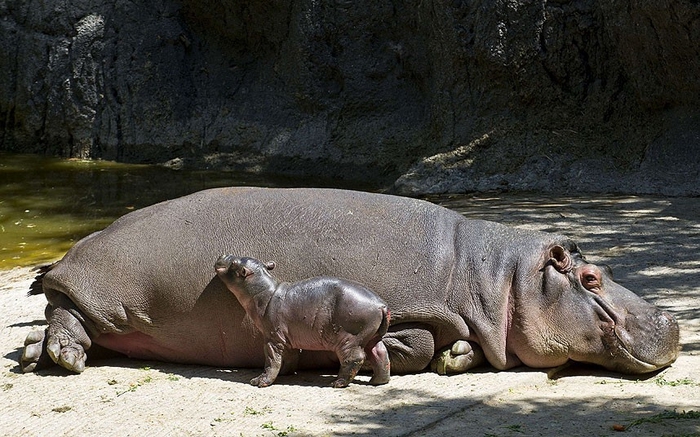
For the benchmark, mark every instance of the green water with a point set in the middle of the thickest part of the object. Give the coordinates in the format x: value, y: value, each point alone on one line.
x: 47, y: 204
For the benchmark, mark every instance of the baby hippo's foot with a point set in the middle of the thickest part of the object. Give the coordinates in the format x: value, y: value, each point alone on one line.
x: 347, y: 373
x: 378, y: 357
x: 261, y: 381
x: 340, y: 383
x: 460, y: 357
x: 379, y: 379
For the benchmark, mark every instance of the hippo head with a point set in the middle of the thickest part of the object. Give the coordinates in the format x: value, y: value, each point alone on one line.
x: 245, y: 275
x: 241, y: 267
x: 580, y: 313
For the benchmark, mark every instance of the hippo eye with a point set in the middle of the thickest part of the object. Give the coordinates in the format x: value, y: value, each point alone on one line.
x: 590, y: 278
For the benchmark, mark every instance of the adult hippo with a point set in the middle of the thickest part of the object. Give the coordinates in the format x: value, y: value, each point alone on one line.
x: 460, y: 291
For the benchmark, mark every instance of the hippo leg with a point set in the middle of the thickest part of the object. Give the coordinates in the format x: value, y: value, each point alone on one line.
x: 411, y: 347
x: 64, y: 341
x: 378, y: 358
x: 351, y: 360
x: 273, y: 364
x: 458, y: 358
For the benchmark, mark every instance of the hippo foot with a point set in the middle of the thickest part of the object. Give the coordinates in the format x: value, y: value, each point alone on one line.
x: 340, y: 383
x: 348, y: 370
x: 35, y: 356
x: 379, y: 379
x: 65, y: 352
x: 261, y: 381
x: 378, y: 357
x: 458, y: 358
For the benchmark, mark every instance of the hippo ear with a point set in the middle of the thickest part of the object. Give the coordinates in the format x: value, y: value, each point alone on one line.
x: 560, y: 258
x: 270, y: 265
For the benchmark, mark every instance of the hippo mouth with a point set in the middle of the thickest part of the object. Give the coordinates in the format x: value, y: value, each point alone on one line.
x: 640, y: 353
x: 223, y: 263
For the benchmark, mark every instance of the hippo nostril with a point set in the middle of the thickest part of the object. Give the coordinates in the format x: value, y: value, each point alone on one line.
x: 668, y: 316
x: 666, y: 322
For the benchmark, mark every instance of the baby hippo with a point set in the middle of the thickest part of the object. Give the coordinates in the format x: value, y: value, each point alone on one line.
x: 321, y: 313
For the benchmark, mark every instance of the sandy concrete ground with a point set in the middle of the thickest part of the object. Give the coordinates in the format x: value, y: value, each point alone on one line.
x: 653, y: 244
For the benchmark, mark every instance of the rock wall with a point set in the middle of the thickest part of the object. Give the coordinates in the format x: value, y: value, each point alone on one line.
x: 423, y: 96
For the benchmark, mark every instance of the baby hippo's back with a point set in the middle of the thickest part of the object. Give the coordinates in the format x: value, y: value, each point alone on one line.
x: 324, y: 313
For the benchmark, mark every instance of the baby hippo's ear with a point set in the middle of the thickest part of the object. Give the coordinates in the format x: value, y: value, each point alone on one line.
x: 270, y: 265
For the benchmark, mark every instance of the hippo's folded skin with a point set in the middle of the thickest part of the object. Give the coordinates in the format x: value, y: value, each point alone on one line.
x: 459, y: 290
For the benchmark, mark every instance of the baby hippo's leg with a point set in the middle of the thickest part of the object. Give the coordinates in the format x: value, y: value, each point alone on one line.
x: 273, y: 364
x: 351, y: 359
x: 378, y: 358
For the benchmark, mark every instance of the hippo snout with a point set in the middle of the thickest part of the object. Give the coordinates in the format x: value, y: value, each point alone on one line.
x: 652, y: 339
x: 223, y: 263
x: 665, y: 347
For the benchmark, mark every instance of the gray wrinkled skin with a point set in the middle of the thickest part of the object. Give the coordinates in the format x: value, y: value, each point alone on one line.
x: 462, y: 292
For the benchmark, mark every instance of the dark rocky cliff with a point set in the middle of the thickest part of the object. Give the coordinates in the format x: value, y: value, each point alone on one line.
x: 424, y: 96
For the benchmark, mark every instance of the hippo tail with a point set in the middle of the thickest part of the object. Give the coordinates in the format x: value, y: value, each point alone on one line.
x: 37, y: 286
x: 386, y: 320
